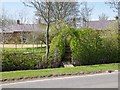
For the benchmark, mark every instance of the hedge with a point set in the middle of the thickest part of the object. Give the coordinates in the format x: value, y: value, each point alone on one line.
x: 88, y: 46
x: 12, y: 61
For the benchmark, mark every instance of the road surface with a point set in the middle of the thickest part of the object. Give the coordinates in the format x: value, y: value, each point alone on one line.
x: 106, y: 80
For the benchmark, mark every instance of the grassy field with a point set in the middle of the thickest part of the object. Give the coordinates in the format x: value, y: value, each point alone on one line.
x: 40, y: 51
x: 26, y: 49
x: 57, y: 71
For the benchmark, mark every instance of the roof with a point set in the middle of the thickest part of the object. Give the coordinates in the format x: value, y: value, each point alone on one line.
x: 97, y: 25
x: 21, y: 27
x: 100, y: 25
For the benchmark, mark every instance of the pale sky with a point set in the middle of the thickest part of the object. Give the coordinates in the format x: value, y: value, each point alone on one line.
x: 13, y: 7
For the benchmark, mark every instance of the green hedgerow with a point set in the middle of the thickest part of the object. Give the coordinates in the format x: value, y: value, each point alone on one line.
x: 88, y: 46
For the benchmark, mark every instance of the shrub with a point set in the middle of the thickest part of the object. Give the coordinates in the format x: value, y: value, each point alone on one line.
x: 17, y: 61
x: 88, y: 46
x: 85, y: 49
x: 110, y: 46
x: 12, y: 61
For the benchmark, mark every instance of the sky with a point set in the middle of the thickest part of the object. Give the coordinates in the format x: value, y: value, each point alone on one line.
x: 14, y: 7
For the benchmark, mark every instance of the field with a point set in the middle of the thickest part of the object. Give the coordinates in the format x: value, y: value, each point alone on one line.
x: 23, y: 48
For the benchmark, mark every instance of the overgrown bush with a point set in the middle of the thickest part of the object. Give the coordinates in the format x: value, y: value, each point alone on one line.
x: 88, y: 46
x: 58, y: 43
x: 110, y: 45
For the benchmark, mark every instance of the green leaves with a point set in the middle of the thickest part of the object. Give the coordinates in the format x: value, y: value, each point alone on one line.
x: 88, y: 46
x: 17, y: 61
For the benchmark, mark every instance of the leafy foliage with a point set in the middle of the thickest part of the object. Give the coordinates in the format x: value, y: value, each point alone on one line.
x: 17, y: 61
x: 88, y: 46
x: 12, y: 60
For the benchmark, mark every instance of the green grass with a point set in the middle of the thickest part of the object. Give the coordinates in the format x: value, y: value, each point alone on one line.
x: 40, y: 51
x: 26, y: 49
x: 58, y: 71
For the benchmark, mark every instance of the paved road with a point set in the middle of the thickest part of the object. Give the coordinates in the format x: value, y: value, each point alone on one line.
x: 89, y: 81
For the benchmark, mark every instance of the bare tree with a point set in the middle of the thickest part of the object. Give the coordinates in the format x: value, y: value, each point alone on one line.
x: 66, y: 11
x: 103, y: 17
x: 85, y: 13
x: 5, y: 23
x: 115, y: 5
x: 5, y: 18
x: 40, y: 36
x: 51, y: 12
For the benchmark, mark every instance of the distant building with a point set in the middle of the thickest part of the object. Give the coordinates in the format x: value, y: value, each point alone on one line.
x: 100, y: 25
x: 18, y: 31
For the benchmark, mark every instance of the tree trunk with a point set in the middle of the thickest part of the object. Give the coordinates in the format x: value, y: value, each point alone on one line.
x: 118, y: 29
x: 118, y: 16
x: 47, y: 40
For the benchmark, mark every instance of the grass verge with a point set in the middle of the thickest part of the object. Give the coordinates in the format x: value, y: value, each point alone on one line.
x: 12, y: 75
